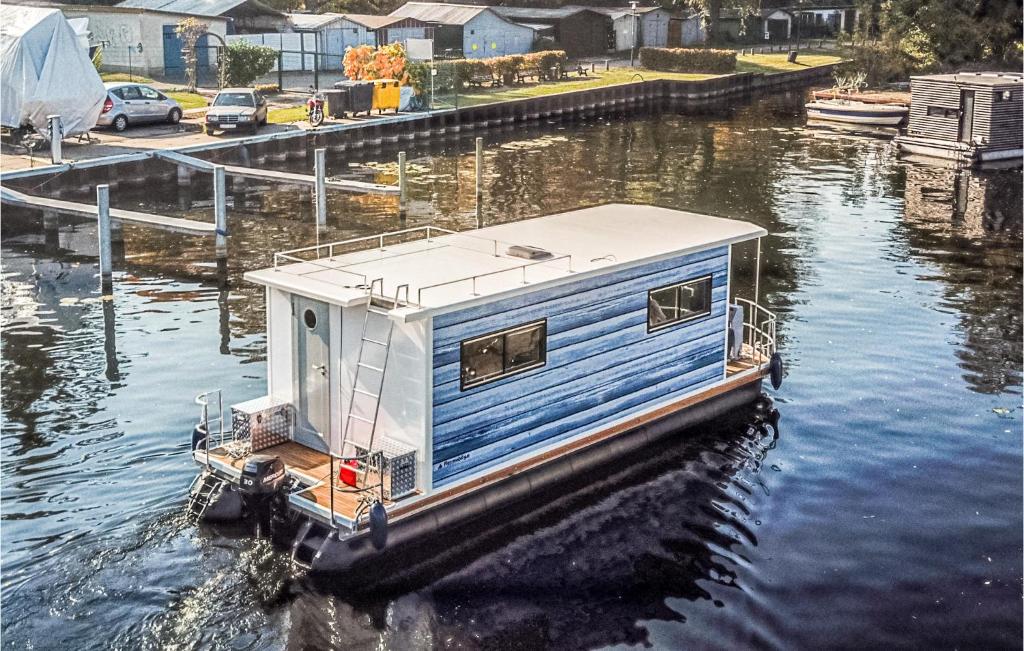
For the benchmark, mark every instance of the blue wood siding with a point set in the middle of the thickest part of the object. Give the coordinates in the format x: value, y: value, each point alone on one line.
x: 602, y: 364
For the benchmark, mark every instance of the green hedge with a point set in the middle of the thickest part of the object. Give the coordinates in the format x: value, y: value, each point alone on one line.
x: 460, y: 71
x: 687, y: 59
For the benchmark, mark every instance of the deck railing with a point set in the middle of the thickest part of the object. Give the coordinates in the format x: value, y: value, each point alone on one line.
x: 758, y: 331
x: 207, y: 422
x: 370, y: 467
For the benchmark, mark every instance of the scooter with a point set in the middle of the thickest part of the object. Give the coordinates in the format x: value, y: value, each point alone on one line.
x: 315, y: 108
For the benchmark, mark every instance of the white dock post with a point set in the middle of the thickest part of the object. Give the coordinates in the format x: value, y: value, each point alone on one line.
x: 320, y: 195
x: 220, y: 211
x: 103, y: 228
x: 479, y: 169
x: 56, y: 131
x: 402, y: 178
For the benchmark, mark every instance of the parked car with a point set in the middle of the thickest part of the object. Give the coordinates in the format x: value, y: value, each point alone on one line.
x: 237, y: 108
x: 128, y: 104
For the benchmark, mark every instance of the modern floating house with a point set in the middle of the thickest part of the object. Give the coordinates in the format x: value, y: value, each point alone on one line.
x: 971, y: 117
x: 438, y: 376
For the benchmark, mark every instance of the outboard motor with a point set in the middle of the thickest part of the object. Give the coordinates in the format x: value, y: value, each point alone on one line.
x: 262, y: 487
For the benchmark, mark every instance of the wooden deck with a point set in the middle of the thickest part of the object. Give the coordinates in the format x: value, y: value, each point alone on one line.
x: 308, y: 465
x: 745, y: 362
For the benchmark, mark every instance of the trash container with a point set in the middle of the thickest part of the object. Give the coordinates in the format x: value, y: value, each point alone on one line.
x: 386, y: 94
x: 361, y: 94
x: 337, y: 102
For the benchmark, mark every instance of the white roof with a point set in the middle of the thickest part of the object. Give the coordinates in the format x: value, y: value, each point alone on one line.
x: 450, y: 271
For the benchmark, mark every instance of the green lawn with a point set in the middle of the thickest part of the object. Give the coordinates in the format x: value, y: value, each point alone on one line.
x: 285, y: 115
x: 187, y: 100
x: 474, y: 96
x: 769, y: 63
x: 123, y: 76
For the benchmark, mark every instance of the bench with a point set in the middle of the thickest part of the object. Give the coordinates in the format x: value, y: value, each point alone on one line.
x: 563, y: 71
x: 528, y: 73
x: 482, y: 79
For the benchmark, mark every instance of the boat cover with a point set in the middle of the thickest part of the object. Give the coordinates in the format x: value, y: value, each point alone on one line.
x: 44, y: 70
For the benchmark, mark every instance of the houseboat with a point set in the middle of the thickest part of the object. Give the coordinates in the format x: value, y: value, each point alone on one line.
x: 437, y: 376
x: 969, y: 117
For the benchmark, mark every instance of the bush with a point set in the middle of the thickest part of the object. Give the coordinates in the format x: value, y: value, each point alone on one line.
x: 505, y: 68
x: 545, y: 61
x: 687, y: 59
x: 245, y: 62
x: 267, y: 89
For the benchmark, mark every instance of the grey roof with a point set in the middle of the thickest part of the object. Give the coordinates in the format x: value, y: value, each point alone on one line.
x: 313, y: 21
x: 539, y: 13
x: 371, y: 21
x: 616, y: 12
x: 199, y: 7
x: 437, y: 12
x: 976, y: 78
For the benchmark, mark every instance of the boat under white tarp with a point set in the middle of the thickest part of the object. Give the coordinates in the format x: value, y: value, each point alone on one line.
x: 44, y: 70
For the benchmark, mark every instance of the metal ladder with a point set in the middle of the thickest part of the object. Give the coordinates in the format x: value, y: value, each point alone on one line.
x: 375, y: 309
x: 210, y: 487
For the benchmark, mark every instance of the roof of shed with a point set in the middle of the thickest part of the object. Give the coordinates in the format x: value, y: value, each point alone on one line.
x: 314, y: 21
x: 438, y: 12
x: 371, y: 21
x: 977, y: 78
x: 540, y: 13
x: 440, y: 271
x: 200, y: 7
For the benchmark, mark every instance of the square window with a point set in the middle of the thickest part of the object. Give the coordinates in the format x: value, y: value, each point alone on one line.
x: 678, y: 303
x: 500, y: 354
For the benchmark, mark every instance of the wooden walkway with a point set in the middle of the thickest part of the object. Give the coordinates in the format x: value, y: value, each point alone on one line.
x: 175, y: 224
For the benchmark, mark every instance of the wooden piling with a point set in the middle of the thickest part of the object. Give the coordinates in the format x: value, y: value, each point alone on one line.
x: 479, y: 171
x: 402, y: 188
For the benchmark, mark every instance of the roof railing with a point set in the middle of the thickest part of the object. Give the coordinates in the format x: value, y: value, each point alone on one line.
x: 327, y: 251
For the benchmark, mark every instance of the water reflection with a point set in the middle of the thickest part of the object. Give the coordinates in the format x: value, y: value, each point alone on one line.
x: 887, y: 275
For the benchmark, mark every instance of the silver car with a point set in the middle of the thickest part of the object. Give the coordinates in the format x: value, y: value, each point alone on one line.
x: 129, y: 103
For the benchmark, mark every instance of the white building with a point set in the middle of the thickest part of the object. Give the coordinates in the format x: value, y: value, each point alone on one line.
x: 475, y: 32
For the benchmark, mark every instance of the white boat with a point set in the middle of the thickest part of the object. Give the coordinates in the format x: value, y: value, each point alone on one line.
x: 437, y: 377
x: 843, y: 110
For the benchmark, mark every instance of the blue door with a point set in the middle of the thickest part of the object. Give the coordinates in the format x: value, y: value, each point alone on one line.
x: 174, y: 61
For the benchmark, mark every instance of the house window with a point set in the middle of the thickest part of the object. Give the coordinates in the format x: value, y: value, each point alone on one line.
x: 678, y: 303
x: 1003, y: 95
x: 942, y: 112
x: 503, y: 353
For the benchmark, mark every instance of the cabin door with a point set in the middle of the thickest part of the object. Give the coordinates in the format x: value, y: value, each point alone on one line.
x: 312, y: 372
x: 966, y: 115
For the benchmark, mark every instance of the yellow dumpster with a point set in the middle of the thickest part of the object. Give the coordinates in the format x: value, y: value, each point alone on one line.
x: 386, y: 94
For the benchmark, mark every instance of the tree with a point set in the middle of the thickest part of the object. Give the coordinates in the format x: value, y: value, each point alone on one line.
x: 711, y: 10
x: 189, y: 31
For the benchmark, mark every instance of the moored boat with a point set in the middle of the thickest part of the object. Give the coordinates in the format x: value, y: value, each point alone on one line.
x: 439, y: 376
x: 843, y: 110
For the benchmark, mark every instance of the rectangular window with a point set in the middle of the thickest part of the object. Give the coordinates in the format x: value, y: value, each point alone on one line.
x: 504, y: 353
x: 942, y: 112
x: 1003, y: 95
x: 677, y: 303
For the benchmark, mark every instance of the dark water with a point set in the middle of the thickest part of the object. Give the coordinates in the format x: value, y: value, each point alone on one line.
x: 886, y: 514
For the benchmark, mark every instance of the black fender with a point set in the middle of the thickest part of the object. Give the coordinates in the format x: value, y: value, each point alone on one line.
x: 378, y: 525
x: 775, y: 370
